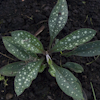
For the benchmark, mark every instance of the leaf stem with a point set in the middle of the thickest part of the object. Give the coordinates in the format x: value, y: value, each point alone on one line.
x: 50, y: 43
x: 39, y: 30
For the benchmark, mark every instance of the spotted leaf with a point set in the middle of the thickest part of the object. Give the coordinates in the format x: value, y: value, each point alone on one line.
x: 84, y: 95
x: 68, y: 83
x: 26, y: 75
x: 74, y: 67
x: 87, y: 50
x: 14, y: 48
x: 11, y: 69
x: 56, y: 41
x: 27, y: 41
x: 74, y: 39
x: 58, y: 18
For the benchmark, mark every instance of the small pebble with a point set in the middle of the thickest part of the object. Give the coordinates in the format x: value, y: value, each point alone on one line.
x: 9, y: 96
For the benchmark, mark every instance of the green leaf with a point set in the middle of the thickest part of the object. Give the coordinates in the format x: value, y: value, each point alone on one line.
x: 26, y: 75
x: 14, y: 48
x: 27, y: 41
x: 58, y: 18
x: 11, y: 69
x: 74, y: 67
x: 74, y: 39
x: 51, y: 71
x: 56, y: 41
x: 68, y: 83
x: 84, y: 95
x: 87, y: 50
x: 43, y: 66
x: 30, y: 53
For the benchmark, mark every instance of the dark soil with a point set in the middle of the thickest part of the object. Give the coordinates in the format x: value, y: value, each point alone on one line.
x: 30, y: 15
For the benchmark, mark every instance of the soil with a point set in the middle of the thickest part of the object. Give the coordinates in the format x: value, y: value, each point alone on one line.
x: 30, y: 15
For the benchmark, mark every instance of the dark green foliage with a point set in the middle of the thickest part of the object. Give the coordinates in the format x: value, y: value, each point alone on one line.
x: 15, y: 48
x: 18, y: 51
x: 86, y: 50
x: 74, y: 67
x: 27, y: 41
x: 25, y: 47
x: 58, y: 18
x: 12, y: 69
x: 74, y: 39
x: 42, y: 67
x: 68, y: 82
x: 26, y: 75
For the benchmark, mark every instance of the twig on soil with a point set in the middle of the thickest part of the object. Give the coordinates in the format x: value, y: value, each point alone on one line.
x: 93, y: 60
x: 6, y: 56
x: 31, y: 18
x: 42, y: 22
x: 39, y: 30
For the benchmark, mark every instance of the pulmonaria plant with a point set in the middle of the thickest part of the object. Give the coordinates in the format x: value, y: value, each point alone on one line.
x: 27, y: 47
